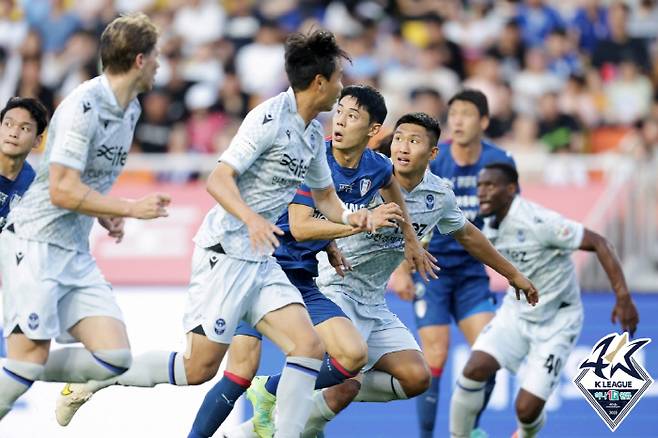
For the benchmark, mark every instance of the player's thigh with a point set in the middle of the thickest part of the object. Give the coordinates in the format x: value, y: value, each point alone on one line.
x: 343, y: 342
x: 409, y: 367
x: 435, y: 341
x: 550, y: 346
x: 472, y: 325
x: 504, y: 338
x: 22, y: 348
x: 432, y: 301
x: 101, y: 333
x: 202, y: 358
x: 244, y: 352
x: 389, y: 335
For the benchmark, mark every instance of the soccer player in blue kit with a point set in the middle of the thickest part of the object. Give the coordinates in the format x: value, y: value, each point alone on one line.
x: 359, y: 175
x: 462, y: 290
x: 23, y: 121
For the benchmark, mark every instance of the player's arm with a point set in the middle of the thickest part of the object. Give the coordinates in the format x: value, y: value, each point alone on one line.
x: 304, y: 226
x: 421, y: 261
x: 624, y: 309
x: 477, y: 245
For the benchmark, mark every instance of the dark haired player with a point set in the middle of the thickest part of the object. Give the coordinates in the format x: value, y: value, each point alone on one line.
x: 539, y: 242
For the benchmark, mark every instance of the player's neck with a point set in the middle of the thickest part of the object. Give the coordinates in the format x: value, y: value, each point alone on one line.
x: 10, y: 167
x: 123, y: 87
x: 306, y: 106
x: 409, y: 181
x: 348, y: 158
x: 502, y: 214
x: 468, y: 154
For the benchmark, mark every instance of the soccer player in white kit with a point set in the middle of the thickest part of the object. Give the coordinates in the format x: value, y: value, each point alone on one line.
x: 278, y: 147
x: 396, y: 368
x: 539, y: 242
x: 52, y: 285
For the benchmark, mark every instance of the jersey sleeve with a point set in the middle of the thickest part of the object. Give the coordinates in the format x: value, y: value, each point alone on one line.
x: 452, y: 218
x: 256, y: 133
x: 303, y: 197
x: 318, y: 175
x: 560, y: 232
x: 73, y: 132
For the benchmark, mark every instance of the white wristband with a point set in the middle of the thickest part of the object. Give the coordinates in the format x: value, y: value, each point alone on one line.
x: 345, y: 217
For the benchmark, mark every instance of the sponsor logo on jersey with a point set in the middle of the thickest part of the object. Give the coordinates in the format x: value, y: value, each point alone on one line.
x: 346, y: 188
x: 267, y: 118
x: 114, y: 154
x: 611, y: 379
x: 295, y: 166
x: 364, y: 186
x: 19, y: 257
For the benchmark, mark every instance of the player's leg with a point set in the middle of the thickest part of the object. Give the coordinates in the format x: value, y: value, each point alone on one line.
x: 432, y: 313
x: 242, y: 364
x: 474, y: 308
x: 551, y: 343
x: 279, y: 314
x: 500, y: 344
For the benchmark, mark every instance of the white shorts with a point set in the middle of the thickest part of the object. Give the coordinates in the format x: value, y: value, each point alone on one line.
x: 510, y: 340
x: 224, y: 290
x: 48, y: 289
x: 382, y: 329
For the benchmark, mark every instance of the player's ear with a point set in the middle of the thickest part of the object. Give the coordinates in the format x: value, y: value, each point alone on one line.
x: 37, y: 141
x: 433, y: 151
x: 484, y: 123
x: 374, y: 129
x: 320, y: 82
x: 139, y: 60
x: 511, y: 189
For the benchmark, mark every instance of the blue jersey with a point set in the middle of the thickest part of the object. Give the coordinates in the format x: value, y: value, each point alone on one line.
x: 452, y: 257
x: 357, y: 188
x: 12, y: 191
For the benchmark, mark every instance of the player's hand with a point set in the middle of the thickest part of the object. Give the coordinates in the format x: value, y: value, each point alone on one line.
x: 114, y: 226
x: 360, y: 219
x: 337, y: 259
x: 262, y: 234
x: 151, y: 206
x: 520, y: 283
x: 420, y: 260
x: 626, y: 312
x: 402, y: 284
x: 385, y: 215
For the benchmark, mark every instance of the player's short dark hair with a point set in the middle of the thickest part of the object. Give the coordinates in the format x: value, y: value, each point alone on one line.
x: 509, y: 172
x: 33, y: 106
x: 369, y: 99
x: 428, y: 122
x: 476, y: 97
x: 311, y: 54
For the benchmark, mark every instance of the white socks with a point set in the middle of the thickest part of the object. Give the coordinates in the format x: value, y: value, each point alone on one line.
x: 293, y: 397
x: 321, y: 414
x: 378, y: 386
x: 467, y: 400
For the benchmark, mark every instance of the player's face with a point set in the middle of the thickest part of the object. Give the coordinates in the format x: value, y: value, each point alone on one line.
x: 351, y: 124
x: 331, y: 89
x: 150, y: 66
x: 411, y: 151
x: 18, y: 133
x: 464, y: 122
x: 493, y: 192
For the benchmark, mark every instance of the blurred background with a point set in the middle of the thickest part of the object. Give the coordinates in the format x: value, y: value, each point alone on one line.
x: 573, y: 92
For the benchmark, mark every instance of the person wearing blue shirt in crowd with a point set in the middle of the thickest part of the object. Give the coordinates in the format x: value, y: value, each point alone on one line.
x: 23, y: 121
x: 536, y: 20
x: 462, y: 290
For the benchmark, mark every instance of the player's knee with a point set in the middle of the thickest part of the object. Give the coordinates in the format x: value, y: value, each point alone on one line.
x: 340, y: 396
x: 352, y: 355
x: 475, y: 370
x: 115, y: 362
x: 416, y: 379
x: 526, y: 411
x: 436, y: 355
x: 308, y: 345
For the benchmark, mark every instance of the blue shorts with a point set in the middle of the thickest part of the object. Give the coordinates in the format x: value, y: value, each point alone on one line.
x: 451, y: 297
x: 320, y: 308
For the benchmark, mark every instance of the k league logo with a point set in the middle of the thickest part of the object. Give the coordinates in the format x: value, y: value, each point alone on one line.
x: 611, y: 380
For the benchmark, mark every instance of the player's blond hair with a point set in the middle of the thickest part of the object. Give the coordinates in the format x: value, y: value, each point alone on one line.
x: 125, y: 38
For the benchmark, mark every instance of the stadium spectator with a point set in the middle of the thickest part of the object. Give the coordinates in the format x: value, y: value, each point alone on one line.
x: 557, y: 131
x: 590, y: 25
x: 536, y: 20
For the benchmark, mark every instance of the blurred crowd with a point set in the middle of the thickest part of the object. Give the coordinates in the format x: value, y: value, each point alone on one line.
x: 560, y: 75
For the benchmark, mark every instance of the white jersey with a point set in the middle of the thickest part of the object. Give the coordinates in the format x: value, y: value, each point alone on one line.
x: 539, y: 242
x: 273, y: 153
x: 91, y: 133
x: 374, y: 256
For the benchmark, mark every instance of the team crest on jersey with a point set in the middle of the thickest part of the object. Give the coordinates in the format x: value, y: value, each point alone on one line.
x: 611, y: 379
x: 3, y: 198
x: 364, y: 186
x: 429, y: 201
x: 520, y: 235
x: 33, y: 321
x: 220, y: 326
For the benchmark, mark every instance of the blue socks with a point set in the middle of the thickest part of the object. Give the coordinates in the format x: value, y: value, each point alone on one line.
x: 426, y: 405
x: 331, y: 373
x: 217, y: 405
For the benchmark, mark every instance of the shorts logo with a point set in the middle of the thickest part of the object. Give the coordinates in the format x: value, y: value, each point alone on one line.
x: 19, y: 257
x: 364, y: 186
x: 220, y: 326
x: 213, y: 261
x: 420, y: 307
x: 611, y: 379
x: 429, y: 201
x: 33, y: 321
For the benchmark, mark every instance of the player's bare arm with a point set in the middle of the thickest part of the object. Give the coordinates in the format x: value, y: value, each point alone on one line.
x: 222, y: 186
x: 624, y: 310
x: 337, y: 259
x: 327, y: 202
x: 477, y: 245
x: 402, y: 283
x: 421, y: 260
x: 68, y: 191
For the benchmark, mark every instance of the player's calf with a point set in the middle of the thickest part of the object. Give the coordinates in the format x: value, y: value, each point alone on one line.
x: 528, y: 407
